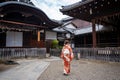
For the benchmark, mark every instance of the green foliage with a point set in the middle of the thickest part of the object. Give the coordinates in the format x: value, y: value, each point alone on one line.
x: 55, y: 44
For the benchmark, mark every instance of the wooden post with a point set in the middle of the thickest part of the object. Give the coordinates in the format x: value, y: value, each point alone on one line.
x: 94, y: 33
x: 118, y: 37
x: 38, y: 36
x: 84, y: 40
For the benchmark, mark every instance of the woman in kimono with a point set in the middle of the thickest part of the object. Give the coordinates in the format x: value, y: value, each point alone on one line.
x: 67, y: 56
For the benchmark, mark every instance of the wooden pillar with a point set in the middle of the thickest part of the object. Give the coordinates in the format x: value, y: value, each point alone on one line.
x: 38, y: 36
x: 94, y: 33
x: 84, y: 40
x: 118, y: 37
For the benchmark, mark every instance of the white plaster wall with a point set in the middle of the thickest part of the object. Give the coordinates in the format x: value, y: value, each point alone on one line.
x: 14, y: 39
x: 51, y: 35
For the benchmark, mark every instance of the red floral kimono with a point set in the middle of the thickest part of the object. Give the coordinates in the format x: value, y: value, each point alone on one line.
x: 67, y: 56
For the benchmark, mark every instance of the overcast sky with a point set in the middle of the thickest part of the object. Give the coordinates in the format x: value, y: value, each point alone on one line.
x: 51, y: 7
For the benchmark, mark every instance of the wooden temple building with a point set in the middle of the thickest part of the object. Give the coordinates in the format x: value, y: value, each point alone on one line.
x: 23, y: 25
x: 98, y: 12
x: 24, y: 30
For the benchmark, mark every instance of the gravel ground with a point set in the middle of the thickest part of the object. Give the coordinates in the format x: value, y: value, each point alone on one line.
x: 82, y: 70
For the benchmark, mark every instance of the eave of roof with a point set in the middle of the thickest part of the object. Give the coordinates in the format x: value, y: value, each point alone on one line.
x: 94, y: 10
x: 32, y: 9
x: 75, y: 5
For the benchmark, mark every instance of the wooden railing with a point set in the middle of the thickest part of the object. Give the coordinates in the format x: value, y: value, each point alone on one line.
x: 105, y: 54
x: 9, y: 53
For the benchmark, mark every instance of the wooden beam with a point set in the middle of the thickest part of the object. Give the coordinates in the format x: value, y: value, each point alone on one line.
x: 20, y: 23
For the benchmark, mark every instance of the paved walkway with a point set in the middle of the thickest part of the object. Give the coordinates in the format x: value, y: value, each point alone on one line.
x: 26, y: 70
x: 52, y: 69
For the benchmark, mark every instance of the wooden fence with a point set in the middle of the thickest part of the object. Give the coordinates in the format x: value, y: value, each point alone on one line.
x: 9, y: 53
x: 105, y: 54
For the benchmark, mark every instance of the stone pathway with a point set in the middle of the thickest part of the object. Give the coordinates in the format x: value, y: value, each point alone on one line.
x: 26, y: 70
